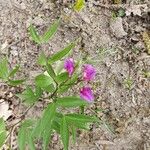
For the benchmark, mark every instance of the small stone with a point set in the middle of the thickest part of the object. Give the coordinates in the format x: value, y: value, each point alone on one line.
x: 117, y: 28
x: 139, y: 45
x: 38, y: 21
x: 10, y: 95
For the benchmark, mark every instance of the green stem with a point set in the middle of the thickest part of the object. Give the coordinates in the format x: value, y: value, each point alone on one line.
x: 82, y: 109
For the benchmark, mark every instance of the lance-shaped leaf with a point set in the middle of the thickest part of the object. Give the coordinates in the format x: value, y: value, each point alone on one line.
x: 15, y: 82
x: 22, y: 139
x: 70, y: 102
x: 79, y: 5
x: 48, y: 115
x: 30, y: 140
x: 73, y: 129
x: 42, y: 60
x: 64, y: 132
x: 45, y: 122
x: 28, y: 96
x: 59, y: 55
x: 2, y: 132
x: 23, y: 135
x: 56, y: 126
x: 46, y: 137
x: 81, y: 118
x: 50, y: 71
x: 51, y: 31
x: 38, y: 92
x: 34, y: 35
x: 14, y: 71
x: 43, y: 128
x: 4, y: 69
x: 80, y: 125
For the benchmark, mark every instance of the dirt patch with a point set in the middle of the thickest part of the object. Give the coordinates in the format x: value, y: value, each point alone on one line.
x: 114, y: 43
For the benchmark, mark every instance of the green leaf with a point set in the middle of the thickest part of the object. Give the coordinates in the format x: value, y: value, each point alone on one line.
x: 23, y: 136
x: 48, y: 115
x: 36, y: 133
x: 70, y: 102
x: 81, y: 118
x: 31, y: 142
x: 34, y: 35
x: 28, y: 96
x: 58, y: 117
x: 46, y: 137
x: 42, y: 60
x: 62, y: 77
x: 73, y: 128
x: 3, y: 133
x: 121, y: 12
x: 44, y: 124
x: 14, y: 71
x: 50, y: 88
x: 80, y: 125
x: 56, y: 126
x: 38, y: 92
x: 50, y: 71
x: 59, y: 66
x: 43, y: 80
x: 79, y: 5
x: 51, y: 31
x: 59, y: 55
x: 68, y: 84
x: 4, y: 70
x: 22, y: 139
x: 64, y: 132
x: 15, y: 82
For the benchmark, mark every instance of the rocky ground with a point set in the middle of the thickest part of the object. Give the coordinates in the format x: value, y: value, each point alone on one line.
x: 110, y: 36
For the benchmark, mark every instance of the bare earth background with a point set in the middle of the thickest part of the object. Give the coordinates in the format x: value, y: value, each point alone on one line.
x: 114, y: 45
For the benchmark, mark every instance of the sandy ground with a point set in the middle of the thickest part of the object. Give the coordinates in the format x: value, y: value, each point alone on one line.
x: 117, y: 48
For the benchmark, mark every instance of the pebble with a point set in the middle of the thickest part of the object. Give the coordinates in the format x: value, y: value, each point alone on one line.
x: 116, y: 27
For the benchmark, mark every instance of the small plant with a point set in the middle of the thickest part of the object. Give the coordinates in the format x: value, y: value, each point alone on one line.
x: 128, y: 83
x: 79, y: 4
x: 117, y: 13
x: 55, y: 80
x: 135, y: 50
x: 146, y: 73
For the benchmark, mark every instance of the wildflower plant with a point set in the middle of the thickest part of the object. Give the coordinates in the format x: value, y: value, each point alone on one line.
x: 55, y: 82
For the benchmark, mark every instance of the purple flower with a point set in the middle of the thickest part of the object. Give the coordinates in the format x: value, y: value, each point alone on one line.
x: 87, y: 94
x: 69, y: 66
x: 89, y: 72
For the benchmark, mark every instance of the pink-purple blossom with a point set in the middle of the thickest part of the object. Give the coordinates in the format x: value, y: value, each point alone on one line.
x: 87, y: 94
x: 69, y: 66
x: 89, y: 72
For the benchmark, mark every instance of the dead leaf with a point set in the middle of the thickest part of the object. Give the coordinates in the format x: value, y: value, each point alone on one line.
x: 146, y: 39
x: 4, y: 110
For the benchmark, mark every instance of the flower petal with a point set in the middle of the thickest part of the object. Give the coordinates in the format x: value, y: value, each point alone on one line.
x: 69, y: 66
x: 87, y: 94
x: 89, y: 72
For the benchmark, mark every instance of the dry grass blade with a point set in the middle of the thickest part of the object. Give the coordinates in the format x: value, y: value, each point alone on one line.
x: 146, y: 39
